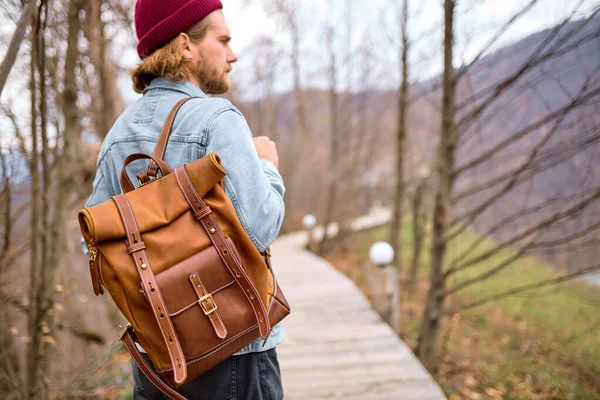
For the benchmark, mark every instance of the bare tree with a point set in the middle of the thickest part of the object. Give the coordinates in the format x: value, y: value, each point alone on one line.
x: 9, y: 382
x: 34, y: 374
x: 419, y: 216
x: 107, y: 102
x: 289, y: 13
x: 396, y: 224
x: 453, y: 214
x: 429, y: 333
x: 46, y: 256
x: 334, y: 133
x: 15, y: 43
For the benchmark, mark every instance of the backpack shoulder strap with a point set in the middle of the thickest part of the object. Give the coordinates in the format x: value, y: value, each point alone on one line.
x: 163, y: 139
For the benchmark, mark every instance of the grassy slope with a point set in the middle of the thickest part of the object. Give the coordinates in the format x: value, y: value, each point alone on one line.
x: 538, y: 344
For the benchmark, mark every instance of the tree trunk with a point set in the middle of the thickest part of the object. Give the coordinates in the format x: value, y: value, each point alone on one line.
x: 46, y: 267
x: 301, y: 123
x: 107, y: 103
x: 34, y: 378
x: 15, y: 42
x: 418, y: 229
x: 44, y: 270
x: 396, y: 225
x: 333, y: 144
x: 6, y: 202
x: 428, y: 343
x: 9, y: 360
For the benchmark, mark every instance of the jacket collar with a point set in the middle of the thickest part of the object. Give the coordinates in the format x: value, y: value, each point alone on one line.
x: 183, y: 86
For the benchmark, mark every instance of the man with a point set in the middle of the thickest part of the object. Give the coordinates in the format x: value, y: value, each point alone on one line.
x: 184, y: 47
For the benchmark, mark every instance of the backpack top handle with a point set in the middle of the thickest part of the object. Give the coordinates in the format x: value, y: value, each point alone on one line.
x: 126, y: 184
x: 159, y: 151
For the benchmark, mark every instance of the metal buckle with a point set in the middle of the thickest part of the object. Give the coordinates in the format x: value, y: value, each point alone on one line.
x: 142, y: 184
x: 212, y: 303
x: 267, y: 252
x: 128, y: 328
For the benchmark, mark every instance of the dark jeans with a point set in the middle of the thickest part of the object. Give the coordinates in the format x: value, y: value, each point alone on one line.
x: 252, y: 376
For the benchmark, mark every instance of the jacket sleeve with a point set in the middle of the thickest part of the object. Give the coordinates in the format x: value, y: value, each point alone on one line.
x: 254, y: 185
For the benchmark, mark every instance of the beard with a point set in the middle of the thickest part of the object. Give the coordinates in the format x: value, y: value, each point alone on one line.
x: 212, y: 79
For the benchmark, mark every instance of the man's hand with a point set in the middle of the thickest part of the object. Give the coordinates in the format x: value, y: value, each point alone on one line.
x: 267, y: 149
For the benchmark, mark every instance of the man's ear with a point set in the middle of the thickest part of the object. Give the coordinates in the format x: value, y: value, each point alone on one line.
x: 185, y: 46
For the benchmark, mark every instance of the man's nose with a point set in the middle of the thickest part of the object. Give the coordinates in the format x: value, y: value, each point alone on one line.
x: 231, y: 57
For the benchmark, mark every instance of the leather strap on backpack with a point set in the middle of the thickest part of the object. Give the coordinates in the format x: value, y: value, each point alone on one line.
x: 126, y: 184
x: 128, y: 339
x: 161, y: 144
x: 137, y: 249
x: 203, y: 215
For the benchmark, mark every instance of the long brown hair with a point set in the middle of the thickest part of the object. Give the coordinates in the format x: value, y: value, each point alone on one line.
x: 167, y: 62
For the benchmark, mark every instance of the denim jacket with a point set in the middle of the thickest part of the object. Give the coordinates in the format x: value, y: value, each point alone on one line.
x: 202, y: 126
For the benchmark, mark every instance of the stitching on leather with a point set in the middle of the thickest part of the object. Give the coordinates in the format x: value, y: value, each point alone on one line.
x: 145, y: 258
x: 223, y: 258
x: 228, y: 266
x: 145, y: 368
x: 168, y: 319
x: 176, y: 313
x: 102, y: 283
x: 214, y: 349
x: 281, y: 303
x: 191, y: 186
x: 136, y: 247
x: 223, y: 287
x: 275, y: 291
x: 177, y: 172
x: 192, y: 190
x: 203, y: 212
x: 248, y: 282
x: 234, y: 250
x: 117, y: 202
x: 216, y: 312
x: 133, y: 218
x: 218, y: 230
x: 154, y: 308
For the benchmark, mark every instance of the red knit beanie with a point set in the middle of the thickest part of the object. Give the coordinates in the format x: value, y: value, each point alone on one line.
x: 157, y: 22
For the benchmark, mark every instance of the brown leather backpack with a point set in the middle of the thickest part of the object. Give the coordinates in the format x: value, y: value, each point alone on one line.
x: 181, y: 268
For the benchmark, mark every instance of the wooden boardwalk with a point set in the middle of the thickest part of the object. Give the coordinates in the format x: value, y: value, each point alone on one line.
x: 336, y: 346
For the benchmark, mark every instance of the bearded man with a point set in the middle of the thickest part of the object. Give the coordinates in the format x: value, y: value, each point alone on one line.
x: 184, y: 50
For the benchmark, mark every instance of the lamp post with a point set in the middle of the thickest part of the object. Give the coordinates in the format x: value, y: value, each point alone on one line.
x: 382, y: 255
x: 309, y: 221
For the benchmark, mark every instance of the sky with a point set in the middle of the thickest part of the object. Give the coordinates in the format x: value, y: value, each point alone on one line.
x: 376, y: 21
x: 375, y: 25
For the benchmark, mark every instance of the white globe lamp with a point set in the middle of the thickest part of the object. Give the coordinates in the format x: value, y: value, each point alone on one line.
x: 309, y: 221
x: 381, y: 254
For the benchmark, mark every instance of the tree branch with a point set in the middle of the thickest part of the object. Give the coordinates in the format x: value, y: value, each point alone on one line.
x: 493, y: 40
x: 15, y: 43
x: 471, y: 216
x: 528, y: 232
x: 534, y: 60
x: 536, y: 125
x: 525, y: 288
x: 89, y: 336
